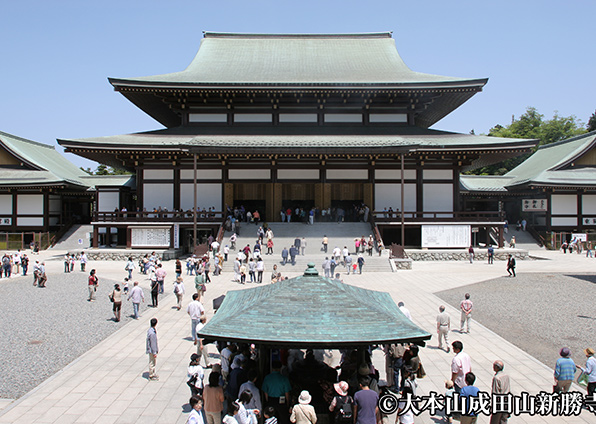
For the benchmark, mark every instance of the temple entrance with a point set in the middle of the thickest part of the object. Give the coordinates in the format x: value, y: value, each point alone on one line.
x: 300, y: 196
x: 253, y: 197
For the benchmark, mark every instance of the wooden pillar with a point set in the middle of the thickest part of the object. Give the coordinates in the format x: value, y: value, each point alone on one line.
x: 128, y: 237
x: 176, y: 188
x: 46, y: 213
x: 319, y: 195
x: 274, y: 205
x: 368, y: 195
x: 580, y: 216
x: 95, y: 236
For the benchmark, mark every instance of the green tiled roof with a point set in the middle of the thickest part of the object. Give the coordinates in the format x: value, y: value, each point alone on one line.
x: 484, y: 183
x: 225, y: 58
x: 311, y: 311
x: 50, y: 166
x: 551, y: 164
x: 177, y: 138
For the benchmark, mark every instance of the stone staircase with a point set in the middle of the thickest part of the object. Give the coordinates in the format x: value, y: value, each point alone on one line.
x: 70, y: 240
x: 338, y: 234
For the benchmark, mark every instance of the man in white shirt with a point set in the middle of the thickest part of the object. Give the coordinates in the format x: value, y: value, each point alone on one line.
x: 226, y: 355
x: 255, y: 401
x: 460, y: 366
x: 195, y: 309
x: 404, y: 310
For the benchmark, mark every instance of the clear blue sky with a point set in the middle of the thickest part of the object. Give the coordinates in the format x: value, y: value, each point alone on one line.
x: 56, y: 55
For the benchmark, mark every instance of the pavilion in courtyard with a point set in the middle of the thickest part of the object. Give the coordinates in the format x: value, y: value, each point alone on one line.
x: 311, y: 312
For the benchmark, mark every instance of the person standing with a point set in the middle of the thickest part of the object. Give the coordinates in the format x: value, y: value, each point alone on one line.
x: 443, y: 327
x: 25, y: 264
x: 590, y: 370
x: 213, y: 396
x: 36, y: 275
x: 365, y: 403
x: 130, y: 266
x: 137, y: 296
x: 500, y: 386
x: 160, y: 274
x: 152, y: 349
x: 303, y: 245
x: 471, y: 254
x: 179, y: 292
x: 348, y: 262
x: 469, y: 390
x: 195, y: 310
x: 260, y: 270
x: 43, y: 278
x: 325, y: 243
x: 564, y: 371
x: 293, y: 253
x: 404, y: 310
x: 303, y: 412
x: 67, y: 263
x: 466, y: 307
x: 116, y: 298
x: 196, y: 415
x: 284, y: 256
x: 326, y: 265
x: 297, y: 245
x: 511, y: 266
x: 276, y: 388
x: 490, y: 254
x: 92, y: 284
x: 196, y: 373
x: 460, y: 366
x: 83, y: 260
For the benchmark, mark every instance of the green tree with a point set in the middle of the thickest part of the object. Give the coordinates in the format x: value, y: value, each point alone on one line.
x: 591, y: 123
x: 533, y: 126
x: 108, y: 170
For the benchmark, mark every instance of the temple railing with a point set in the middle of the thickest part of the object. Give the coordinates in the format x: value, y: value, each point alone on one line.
x: 422, y: 216
x: 158, y: 216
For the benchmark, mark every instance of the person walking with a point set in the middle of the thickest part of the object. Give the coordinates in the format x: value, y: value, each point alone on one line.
x: 116, y: 299
x: 303, y: 245
x: 137, y: 296
x: 160, y: 274
x: 590, y: 370
x: 325, y: 243
x: 293, y: 253
x: 500, y: 386
x: 154, y: 290
x: 326, y: 265
x: 130, y: 266
x: 471, y: 254
x: 360, y: 262
x: 92, y: 285
x: 366, y: 401
x: 466, y: 307
x: 284, y: 256
x: 179, y: 291
x: 303, y: 412
x: 469, y: 390
x: 152, y: 349
x: 43, y: 278
x: 25, y: 264
x: 83, y: 260
x: 490, y: 254
x: 260, y: 270
x: 511, y: 266
x: 443, y: 327
x: 564, y: 371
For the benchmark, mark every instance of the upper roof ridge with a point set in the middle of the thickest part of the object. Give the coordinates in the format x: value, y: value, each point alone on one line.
x: 213, y: 34
x: 25, y: 140
x: 568, y: 140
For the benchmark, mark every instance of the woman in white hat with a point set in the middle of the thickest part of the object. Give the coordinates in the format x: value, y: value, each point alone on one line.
x: 342, y: 405
x: 302, y: 412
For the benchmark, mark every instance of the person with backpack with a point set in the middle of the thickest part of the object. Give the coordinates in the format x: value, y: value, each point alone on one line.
x: 342, y: 404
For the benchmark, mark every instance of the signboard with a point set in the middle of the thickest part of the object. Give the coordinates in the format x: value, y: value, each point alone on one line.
x: 579, y: 236
x: 150, y: 237
x: 5, y: 221
x: 176, y: 236
x: 534, y: 205
x: 446, y: 236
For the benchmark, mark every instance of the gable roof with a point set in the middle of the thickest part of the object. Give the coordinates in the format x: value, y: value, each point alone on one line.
x: 49, y: 166
x: 552, y: 163
x: 297, y: 59
x: 311, y: 311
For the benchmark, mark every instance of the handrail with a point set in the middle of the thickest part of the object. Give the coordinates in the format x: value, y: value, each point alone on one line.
x: 393, y: 216
x: 158, y: 216
x: 60, y: 233
x: 397, y: 252
x: 537, y: 236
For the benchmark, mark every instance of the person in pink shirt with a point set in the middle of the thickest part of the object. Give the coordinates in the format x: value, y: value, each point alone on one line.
x: 161, y: 276
x: 460, y: 365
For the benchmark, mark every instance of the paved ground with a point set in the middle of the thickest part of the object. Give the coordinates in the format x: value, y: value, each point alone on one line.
x: 548, y: 310
x: 108, y: 384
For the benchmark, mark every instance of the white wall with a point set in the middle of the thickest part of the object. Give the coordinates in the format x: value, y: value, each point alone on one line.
x: 158, y: 174
x: 389, y: 196
x: 298, y: 174
x: 298, y: 117
x: 589, y: 204
x: 566, y: 221
x: 388, y: 117
x: 202, y: 174
x: 249, y: 174
x: 394, y: 174
x: 30, y: 204
x: 437, y: 197
x: 208, y: 117
x: 30, y: 222
x: 208, y: 195
x: 343, y: 117
x: 437, y: 174
x: 156, y: 195
x: 563, y: 204
x: 107, y: 201
x: 5, y: 204
x: 253, y: 117
x: 347, y: 174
